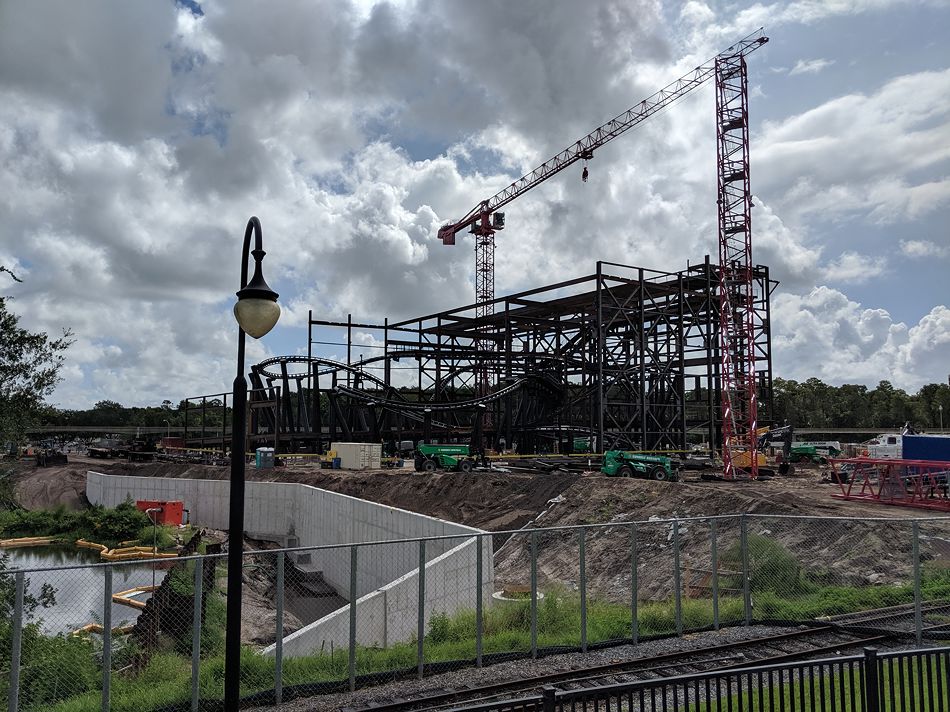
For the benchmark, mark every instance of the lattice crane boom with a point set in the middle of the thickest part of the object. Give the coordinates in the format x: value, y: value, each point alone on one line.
x: 478, y: 217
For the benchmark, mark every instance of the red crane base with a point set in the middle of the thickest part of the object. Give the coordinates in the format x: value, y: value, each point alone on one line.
x: 922, y: 484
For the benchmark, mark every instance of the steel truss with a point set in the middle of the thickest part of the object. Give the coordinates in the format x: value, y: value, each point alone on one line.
x: 625, y: 355
x: 923, y: 484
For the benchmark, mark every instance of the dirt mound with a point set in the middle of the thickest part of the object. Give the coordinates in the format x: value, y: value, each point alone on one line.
x: 834, y: 551
x: 40, y: 488
x: 487, y: 500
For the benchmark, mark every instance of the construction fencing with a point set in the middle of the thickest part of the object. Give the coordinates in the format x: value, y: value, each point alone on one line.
x: 149, y: 635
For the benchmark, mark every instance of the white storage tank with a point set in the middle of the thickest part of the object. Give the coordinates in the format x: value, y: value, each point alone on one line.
x: 358, y: 456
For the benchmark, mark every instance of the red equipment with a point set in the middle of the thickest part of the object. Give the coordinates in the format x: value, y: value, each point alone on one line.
x: 905, y: 483
x: 739, y: 320
x: 169, y: 512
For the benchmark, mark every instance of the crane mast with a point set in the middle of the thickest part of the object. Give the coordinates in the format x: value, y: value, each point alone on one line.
x: 738, y: 321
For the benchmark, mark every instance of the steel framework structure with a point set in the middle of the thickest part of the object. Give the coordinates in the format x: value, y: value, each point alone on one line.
x: 625, y: 355
x: 923, y: 484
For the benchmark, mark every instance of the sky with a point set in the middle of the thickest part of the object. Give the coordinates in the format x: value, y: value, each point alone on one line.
x: 137, y: 138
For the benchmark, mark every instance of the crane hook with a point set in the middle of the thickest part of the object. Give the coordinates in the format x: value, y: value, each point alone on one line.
x: 584, y: 174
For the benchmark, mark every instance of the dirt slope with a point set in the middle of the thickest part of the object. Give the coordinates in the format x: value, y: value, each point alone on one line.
x: 492, y: 501
x: 848, y: 552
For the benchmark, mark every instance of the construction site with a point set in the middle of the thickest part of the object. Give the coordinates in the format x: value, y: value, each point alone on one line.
x: 625, y: 358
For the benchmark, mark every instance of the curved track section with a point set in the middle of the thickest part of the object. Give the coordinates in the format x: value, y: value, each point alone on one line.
x: 295, y: 400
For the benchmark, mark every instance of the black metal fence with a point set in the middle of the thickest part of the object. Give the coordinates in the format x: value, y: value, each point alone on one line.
x: 904, y: 681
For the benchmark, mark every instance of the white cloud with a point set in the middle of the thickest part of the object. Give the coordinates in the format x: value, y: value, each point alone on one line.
x: 810, y: 66
x: 924, y: 248
x: 826, y: 335
x: 860, y: 155
x: 853, y: 268
x: 135, y: 143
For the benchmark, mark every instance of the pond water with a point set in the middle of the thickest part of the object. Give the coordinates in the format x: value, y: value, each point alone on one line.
x: 79, y: 592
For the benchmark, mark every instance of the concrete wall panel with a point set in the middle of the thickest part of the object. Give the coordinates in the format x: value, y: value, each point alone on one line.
x: 387, y: 572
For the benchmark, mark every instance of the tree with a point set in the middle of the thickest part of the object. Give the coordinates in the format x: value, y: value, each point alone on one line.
x: 29, y: 370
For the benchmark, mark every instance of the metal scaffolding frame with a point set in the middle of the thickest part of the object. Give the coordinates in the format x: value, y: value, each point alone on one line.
x: 625, y: 355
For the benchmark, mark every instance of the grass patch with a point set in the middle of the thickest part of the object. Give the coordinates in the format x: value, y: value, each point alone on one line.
x: 920, y: 687
x: 780, y: 590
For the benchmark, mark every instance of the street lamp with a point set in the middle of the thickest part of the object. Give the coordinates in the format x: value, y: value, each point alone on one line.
x: 168, y: 428
x: 940, y: 408
x: 256, y: 312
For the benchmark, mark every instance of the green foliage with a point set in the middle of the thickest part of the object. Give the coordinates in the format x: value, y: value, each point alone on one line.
x: 771, y: 568
x: 815, y: 404
x: 97, y: 523
x: 29, y: 370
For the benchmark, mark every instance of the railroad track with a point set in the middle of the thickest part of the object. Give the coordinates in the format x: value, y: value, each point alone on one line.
x: 935, y: 616
x: 766, y: 650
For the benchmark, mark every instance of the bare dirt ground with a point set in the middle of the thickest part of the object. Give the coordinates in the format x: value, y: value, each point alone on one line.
x: 856, y: 551
x: 847, y: 552
x: 493, y: 501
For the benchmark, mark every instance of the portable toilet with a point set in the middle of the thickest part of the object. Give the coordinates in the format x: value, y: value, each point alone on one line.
x: 264, y: 458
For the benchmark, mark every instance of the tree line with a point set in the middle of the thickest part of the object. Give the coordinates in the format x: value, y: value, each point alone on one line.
x: 815, y: 404
x: 812, y: 404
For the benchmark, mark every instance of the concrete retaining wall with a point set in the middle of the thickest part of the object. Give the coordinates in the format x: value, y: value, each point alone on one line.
x: 387, y: 572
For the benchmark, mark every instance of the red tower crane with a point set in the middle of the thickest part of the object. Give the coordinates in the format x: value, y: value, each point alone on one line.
x: 737, y: 328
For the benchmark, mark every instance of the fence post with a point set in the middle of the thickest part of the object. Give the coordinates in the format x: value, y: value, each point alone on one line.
x: 107, y: 638
x: 918, y: 625
x: 634, y: 602
x: 196, y: 632
x: 744, y: 547
x: 534, y: 594
x: 548, y: 699
x: 421, y: 631
x: 351, y: 665
x: 677, y: 584
x: 279, y: 640
x: 871, y: 687
x: 582, y: 559
x: 714, y: 534
x: 479, y: 581
x: 13, y: 698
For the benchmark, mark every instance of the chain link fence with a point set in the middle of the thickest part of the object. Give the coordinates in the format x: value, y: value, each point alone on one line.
x: 150, y: 634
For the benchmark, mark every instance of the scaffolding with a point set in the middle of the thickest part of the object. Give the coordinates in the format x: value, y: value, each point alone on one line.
x: 625, y: 357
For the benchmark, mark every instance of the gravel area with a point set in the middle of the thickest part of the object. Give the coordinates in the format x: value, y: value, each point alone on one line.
x: 519, y: 669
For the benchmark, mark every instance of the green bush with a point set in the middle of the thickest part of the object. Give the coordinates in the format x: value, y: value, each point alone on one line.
x: 100, y: 524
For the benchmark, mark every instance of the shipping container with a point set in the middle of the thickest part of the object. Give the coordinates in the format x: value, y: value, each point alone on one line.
x: 358, y: 456
x: 926, y: 447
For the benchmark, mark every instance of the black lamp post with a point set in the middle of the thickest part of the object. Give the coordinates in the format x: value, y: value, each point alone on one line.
x: 256, y: 312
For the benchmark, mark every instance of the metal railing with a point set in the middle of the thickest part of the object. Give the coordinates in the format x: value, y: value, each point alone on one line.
x: 908, y: 680
x: 89, y: 636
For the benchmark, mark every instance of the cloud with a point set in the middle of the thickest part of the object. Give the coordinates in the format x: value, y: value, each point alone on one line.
x: 907, y: 122
x: 924, y: 248
x: 829, y: 336
x: 854, y: 268
x: 810, y: 66
x: 136, y: 142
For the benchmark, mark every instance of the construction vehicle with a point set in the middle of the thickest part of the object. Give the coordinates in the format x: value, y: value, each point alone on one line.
x: 815, y: 453
x: 429, y: 458
x: 625, y: 463
x: 582, y: 446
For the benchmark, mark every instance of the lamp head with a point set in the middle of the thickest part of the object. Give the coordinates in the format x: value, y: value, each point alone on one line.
x: 257, y: 310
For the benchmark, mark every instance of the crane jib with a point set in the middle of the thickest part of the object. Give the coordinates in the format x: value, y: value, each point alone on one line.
x: 602, y: 135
